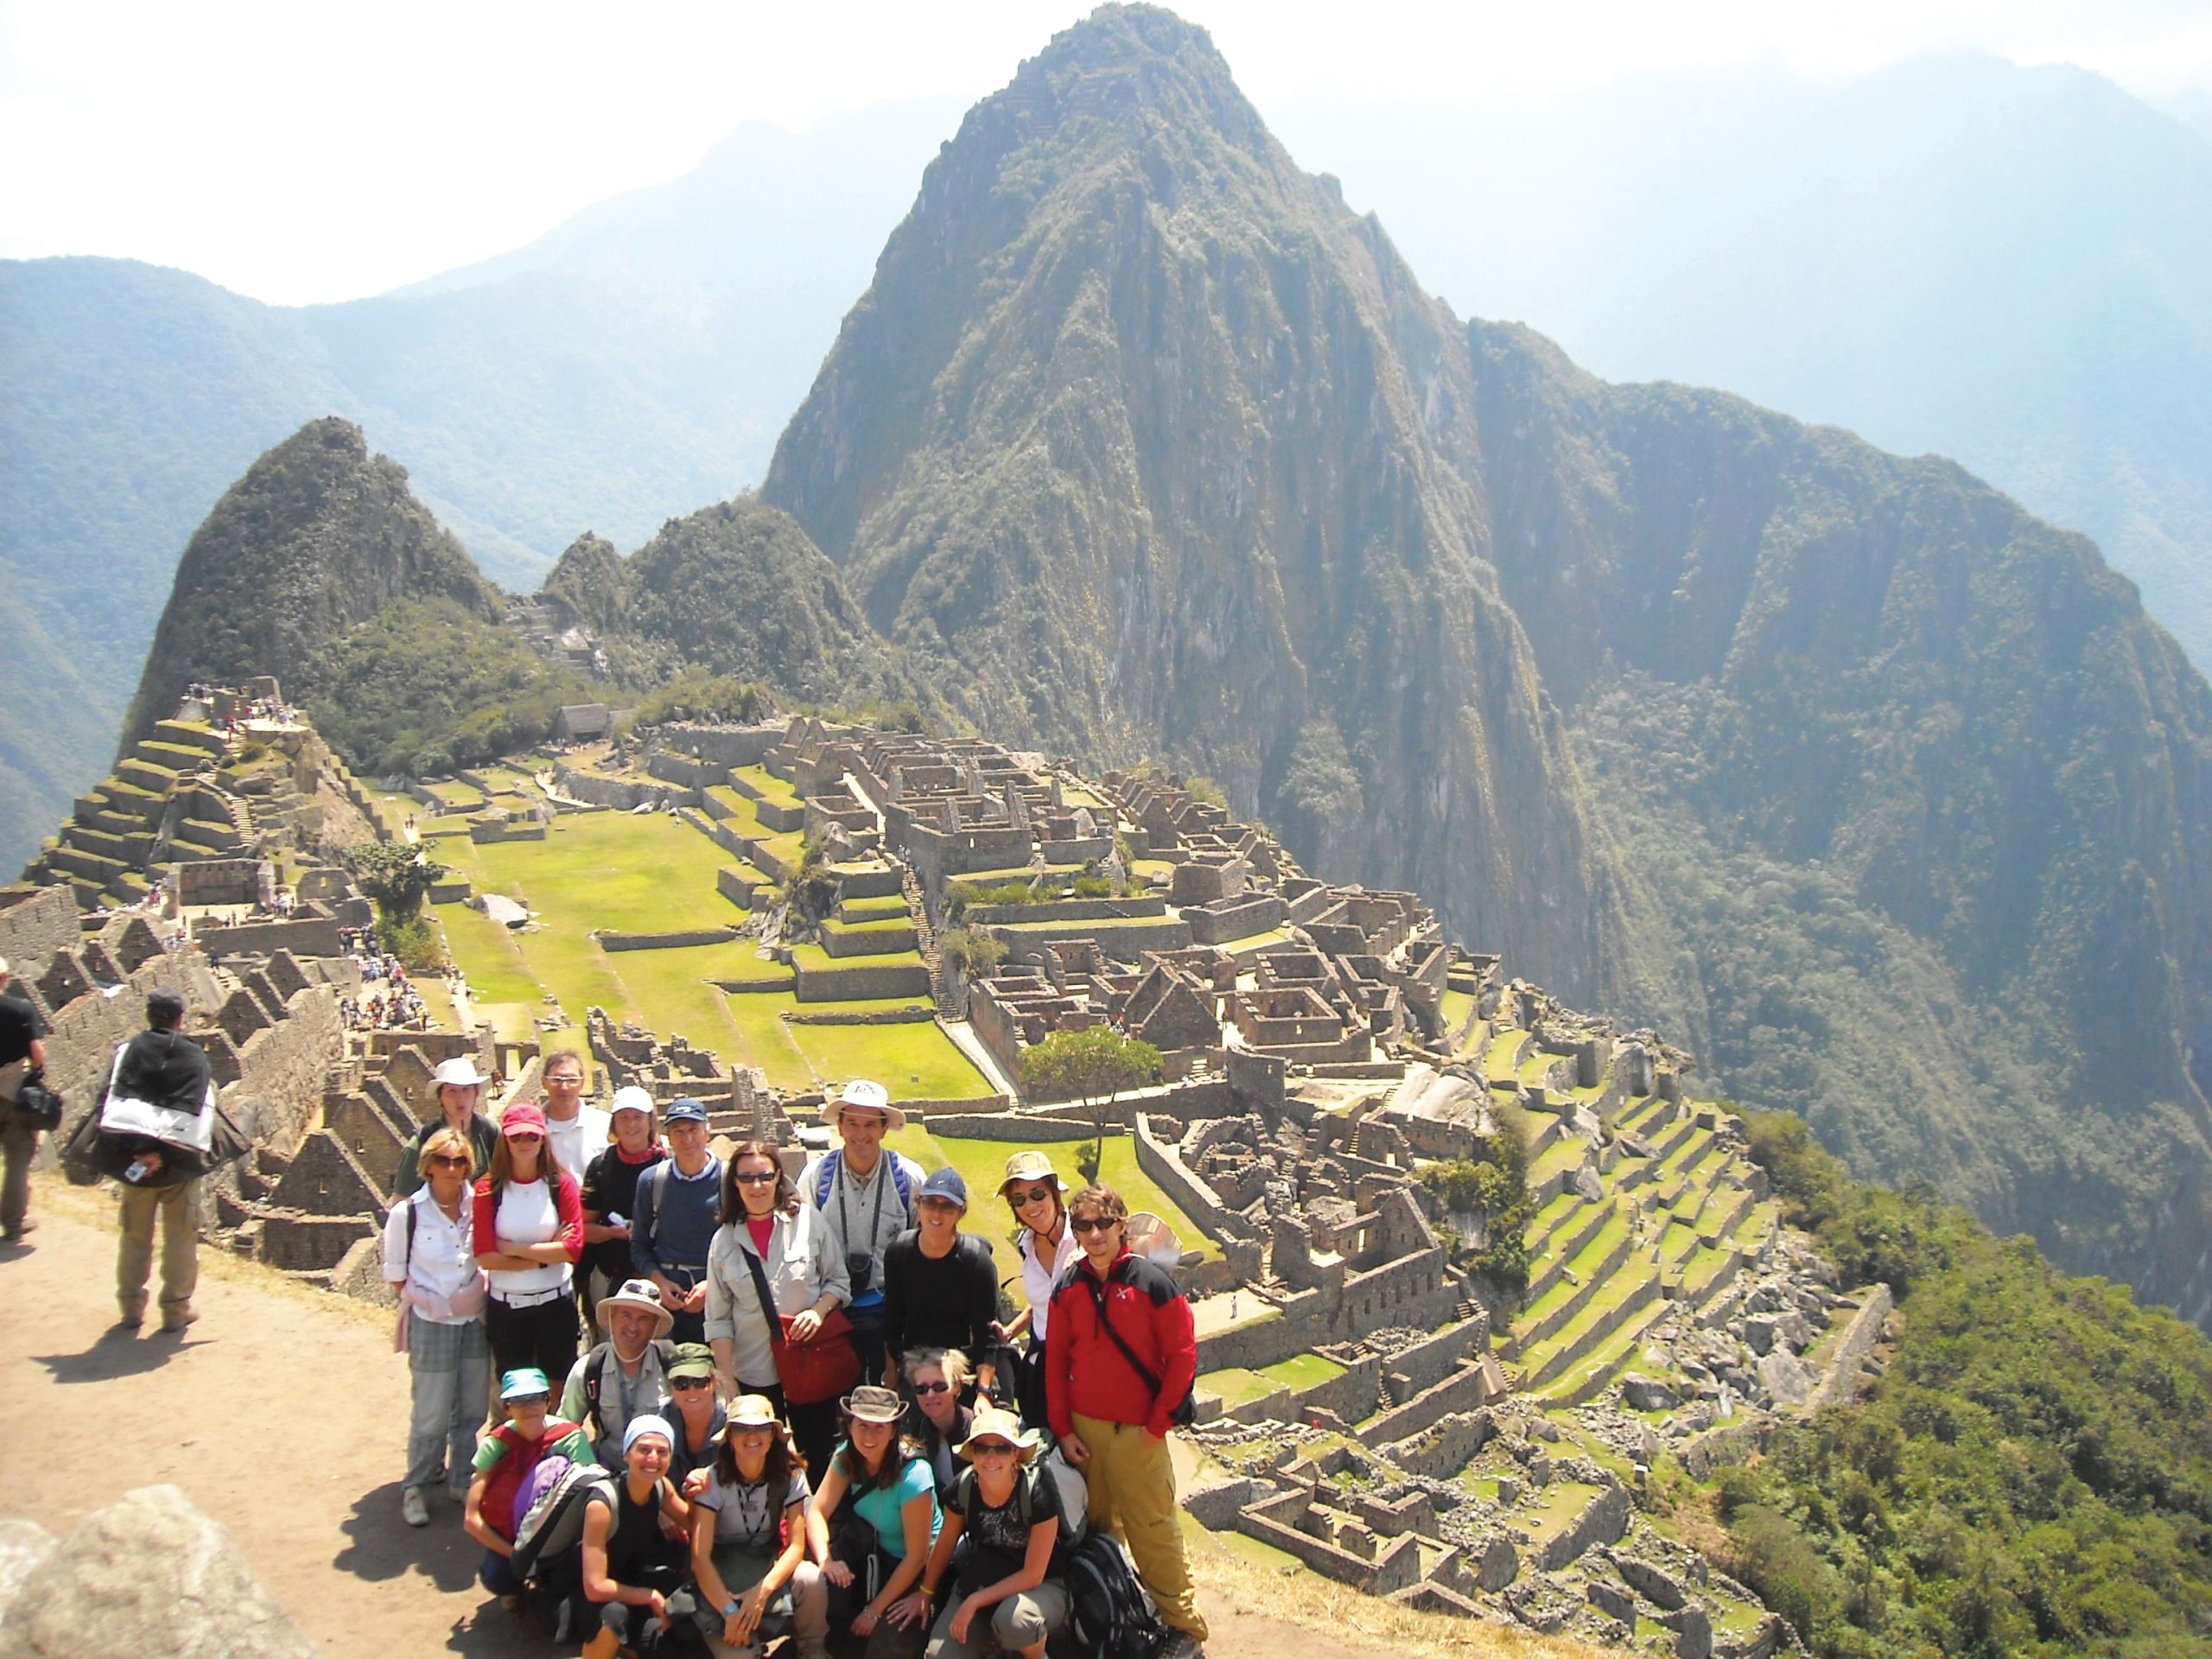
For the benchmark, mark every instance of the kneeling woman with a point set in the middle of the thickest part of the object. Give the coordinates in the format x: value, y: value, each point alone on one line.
x: 633, y: 1570
x: 752, y: 1531
x: 878, y: 1542
x: 1000, y: 1547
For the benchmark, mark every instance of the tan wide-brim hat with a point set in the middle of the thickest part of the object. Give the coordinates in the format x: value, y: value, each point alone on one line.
x: 459, y: 1072
x: 645, y: 1294
x: 1032, y: 1165
x: 996, y: 1422
x: 861, y: 1094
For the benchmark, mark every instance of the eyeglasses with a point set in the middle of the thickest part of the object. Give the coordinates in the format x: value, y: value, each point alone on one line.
x: 938, y: 1387
x: 450, y: 1160
x: 756, y: 1180
x: 1035, y: 1195
x: 564, y: 1082
x: 1094, y: 1223
x: 686, y: 1384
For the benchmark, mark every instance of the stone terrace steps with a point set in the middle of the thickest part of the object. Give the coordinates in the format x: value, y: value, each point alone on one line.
x: 1581, y: 1281
x: 1599, y: 1369
x: 1625, y: 1293
x: 1566, y: 1242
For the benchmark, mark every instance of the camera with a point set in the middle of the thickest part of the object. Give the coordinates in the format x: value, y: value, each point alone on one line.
x: 860, y: 1268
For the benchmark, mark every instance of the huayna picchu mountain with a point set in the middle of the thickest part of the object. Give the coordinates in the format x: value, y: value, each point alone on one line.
x: 1143, y: 444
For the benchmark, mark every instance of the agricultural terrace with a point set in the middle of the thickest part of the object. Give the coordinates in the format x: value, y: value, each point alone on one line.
x: 650, y: 873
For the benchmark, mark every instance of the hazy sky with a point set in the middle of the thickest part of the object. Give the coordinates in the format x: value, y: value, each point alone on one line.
x: 299, y: 152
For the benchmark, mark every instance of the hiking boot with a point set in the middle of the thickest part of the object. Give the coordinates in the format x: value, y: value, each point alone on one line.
x: 412, y: 1510
x: 130, y: 1318
x: 177, y: 1318
x: 1183, y: 1645
x: 12, y: 1234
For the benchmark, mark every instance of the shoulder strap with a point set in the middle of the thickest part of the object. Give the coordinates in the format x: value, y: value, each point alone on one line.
x: 903, y: 1184
x: 414, y: 1215
x: 594, y: 1362
x: 761, y: 1289
x: 657, y: 1174
x: 1098, y: 1302
x: 826, y: 1179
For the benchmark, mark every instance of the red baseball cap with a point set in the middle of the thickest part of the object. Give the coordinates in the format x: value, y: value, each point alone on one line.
x: 523, y: 1118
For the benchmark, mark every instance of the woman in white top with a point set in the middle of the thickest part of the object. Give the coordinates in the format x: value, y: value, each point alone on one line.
x: 764, y: 1226
x: 530, y: 1231
x: 429, y: 1261
x: 1046, y: 1244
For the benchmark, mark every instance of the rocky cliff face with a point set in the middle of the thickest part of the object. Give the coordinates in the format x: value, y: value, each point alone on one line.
x: 1158, y: 448
x: 318, y: 537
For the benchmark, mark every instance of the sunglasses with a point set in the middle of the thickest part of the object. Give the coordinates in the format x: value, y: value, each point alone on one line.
x: 1035, y: 1195
x: 687, y: 1384
x: 755, y: 1180
x: 527, y: 1140
x: 1094, y: 1223
x: 450, y: 1160
x: 529, y: 1398
x: 932, y: 1387
x: 989, y: 1449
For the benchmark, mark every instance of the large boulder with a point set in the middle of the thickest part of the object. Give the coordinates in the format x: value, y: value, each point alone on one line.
x: 24, y: 1545
x: 150, y: 1574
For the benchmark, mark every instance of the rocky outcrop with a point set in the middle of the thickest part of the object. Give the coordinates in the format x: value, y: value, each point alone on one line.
x: 148, y: 1574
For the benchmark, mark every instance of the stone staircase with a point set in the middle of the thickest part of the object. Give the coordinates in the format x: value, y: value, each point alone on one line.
x: 926, y: 940
x: 113, y: 846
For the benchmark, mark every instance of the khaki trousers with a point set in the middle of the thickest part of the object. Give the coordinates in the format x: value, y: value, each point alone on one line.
x: 1132, y: 1483
x: 177, y: 1210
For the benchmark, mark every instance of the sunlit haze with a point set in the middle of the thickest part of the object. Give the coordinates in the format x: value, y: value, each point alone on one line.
x: 303, y: 153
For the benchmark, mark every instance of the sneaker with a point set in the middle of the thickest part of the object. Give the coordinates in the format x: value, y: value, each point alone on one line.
x: 457, y: 1492
x: 131, y: 1318
x: 412, y: 1510
x: 1183, y: 1645
x: 176, y: 1321
x: 14, y: 1233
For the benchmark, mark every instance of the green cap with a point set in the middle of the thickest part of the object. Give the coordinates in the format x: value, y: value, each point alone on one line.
x: 692, y: 1360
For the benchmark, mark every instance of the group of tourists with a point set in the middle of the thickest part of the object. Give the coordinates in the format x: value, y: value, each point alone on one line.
x: 758, y: 1407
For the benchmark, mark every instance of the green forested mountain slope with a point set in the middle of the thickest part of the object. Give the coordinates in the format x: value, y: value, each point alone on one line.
x: 1153, y: 445
x: 1782, y: 647
x: 623, y: 368
x: 318, y: 537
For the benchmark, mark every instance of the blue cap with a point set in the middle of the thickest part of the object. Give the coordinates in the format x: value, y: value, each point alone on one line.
x: 946, y: 1184
x: 523, y: 1382
x: 685, y: 1111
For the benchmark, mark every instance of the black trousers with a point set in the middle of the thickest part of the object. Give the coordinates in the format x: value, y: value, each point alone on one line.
x: 544, y: 1336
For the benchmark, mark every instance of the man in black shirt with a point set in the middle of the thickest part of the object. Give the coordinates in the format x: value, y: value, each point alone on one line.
x: 940, y: 1286
x: 22, y: 1054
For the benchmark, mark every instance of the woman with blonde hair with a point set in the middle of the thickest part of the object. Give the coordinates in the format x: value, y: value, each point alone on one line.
x: 529, y: 1236
x: 429, y: 1259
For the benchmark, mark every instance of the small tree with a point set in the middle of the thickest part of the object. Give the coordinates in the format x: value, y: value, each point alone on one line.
x: 1092, y: 1065
x: 397, y: 875
x: 811, y: 887
x: 973, y: 953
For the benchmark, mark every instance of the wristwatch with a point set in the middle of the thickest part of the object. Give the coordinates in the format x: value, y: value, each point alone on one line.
x: 729, y: 1608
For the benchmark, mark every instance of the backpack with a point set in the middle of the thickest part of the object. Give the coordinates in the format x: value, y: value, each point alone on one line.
x: 549, y: 1509
x: 1074, y: 1495
x: 901, y: 1183
x: 1114, y: 1618
x: 595, y: 1362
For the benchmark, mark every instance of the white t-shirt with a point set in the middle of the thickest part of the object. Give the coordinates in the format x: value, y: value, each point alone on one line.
x: 580, y: 1140
x: 1037, y: 1277
x: 528, y: 1215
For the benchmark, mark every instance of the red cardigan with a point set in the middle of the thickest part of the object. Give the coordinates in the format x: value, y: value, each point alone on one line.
x: 568, y: 1204
x: 1084, y: 1371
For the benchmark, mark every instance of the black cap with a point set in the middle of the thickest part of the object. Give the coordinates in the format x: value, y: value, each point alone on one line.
x: 165, y: 1005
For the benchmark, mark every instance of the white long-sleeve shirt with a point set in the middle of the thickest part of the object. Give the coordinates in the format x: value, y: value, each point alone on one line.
x: 442, y: 1262
x: 802, y: 1264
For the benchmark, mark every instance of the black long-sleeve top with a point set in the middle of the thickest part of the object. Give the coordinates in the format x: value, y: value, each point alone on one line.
x: 947, y: 1301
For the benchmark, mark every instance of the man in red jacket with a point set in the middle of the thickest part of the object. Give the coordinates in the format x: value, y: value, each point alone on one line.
x: 1111, y: 1401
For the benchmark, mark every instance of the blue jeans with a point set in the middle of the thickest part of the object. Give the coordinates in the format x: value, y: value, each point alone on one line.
x: 497, y: 1574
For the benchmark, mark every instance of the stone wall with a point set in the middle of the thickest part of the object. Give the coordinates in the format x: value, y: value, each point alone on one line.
x: 685, y: 770
x: 1066, y: 910
x: 1442, y: 1448
x: 1859, y: 1340
x: 1217, y: 924
x: 34, y: 927
x: 1467, y: 1389
x: 727, y: 745
x: 858, y: 981
x: 621, y: 793
x: 612, y: 941
x: 304, y: 936
x: 279, y: 1091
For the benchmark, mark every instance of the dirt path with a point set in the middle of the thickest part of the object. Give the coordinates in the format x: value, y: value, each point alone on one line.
x: 283, y: 1412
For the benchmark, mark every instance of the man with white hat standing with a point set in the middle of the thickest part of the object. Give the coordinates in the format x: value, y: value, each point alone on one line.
x: 866, y: 1199
x: 455, y: 1086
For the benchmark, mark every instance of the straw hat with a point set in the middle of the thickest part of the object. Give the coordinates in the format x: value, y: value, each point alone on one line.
x: 645, y: 1294
x: 1032, y: 1165
x: 996, y: 1422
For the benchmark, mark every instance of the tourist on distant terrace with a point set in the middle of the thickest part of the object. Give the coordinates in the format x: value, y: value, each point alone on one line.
x: 635, y: 1571
x: 626, y: 1375
x: 753, y: 1533
x: 1038, y: 1197
x: 429, y: 1261
x: 997, y: 1562
x: 770, y: 1251
x: 530, y: 1231
x: 679, y: 1207
x: 867, y: 1200
x: 157, y: 1126
x: 456, y: 1085
x: 504, y: 1464
x: 610, y: 1196
x: 1120, y: 1356
x: 937, y: 1377
x: 940, y: 1286
x: 879, y: 1542
x: 22, y: 1057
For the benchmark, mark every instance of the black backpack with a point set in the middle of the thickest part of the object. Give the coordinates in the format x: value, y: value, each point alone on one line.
x: 594, y: 1362
x: 1115, y: 1618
